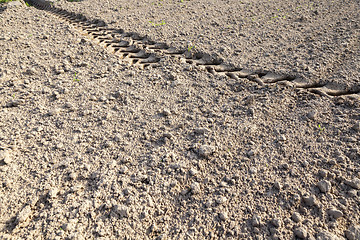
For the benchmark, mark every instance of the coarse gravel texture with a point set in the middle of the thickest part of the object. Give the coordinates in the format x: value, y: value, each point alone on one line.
x: 93, y: 148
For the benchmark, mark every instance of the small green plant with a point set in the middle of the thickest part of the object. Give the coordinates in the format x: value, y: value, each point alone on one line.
x: 321, y: 128
x: 27, y: 4
x: 157, y: 24
x: 75, y: 78
x: 190, y: 48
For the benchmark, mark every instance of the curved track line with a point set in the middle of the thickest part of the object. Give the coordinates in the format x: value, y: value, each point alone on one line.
x: 144, y: 52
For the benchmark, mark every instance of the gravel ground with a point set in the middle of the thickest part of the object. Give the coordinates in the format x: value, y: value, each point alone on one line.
x: 93, y: 148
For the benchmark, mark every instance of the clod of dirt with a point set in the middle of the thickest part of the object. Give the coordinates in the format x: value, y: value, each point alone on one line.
x: 5, y: 157
x: 354, y: 183
x: 324, y: 186
x: 353, y: 233
x: 206, y: 150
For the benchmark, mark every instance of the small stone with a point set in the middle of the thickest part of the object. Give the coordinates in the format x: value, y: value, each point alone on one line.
x: 300, y: 233
x: 5, y: 156
x: 354, y: 183
x: 166, y: 112
x: 193, y: 172
x: 282, y: 138
x: 356, y: 127
x: 221, y: 200
x: 353, y: 233
x: 93, y: 98
x: 54, y: 112
x: 324, y: 186
x: 276, y: 222
x: 103, y: 98
x: 309, y: 200
x: 86, y: 112
x: 277, y: 186
x: 223, y: 216
x: 53, y: 192
x: 312, y: 115
x: 123, y: 170
x: 256, y: 220
x: 208, y: 204
x: 24, y: 214
x: 201, y: 131
x: 206, y: 150
x: 352, y: 193
x: 324, y: 235
x: 195, y: 188
x: 121, y: 210
x: 323, y: 173
x: 14, y: 103
x: 333, y: 212
x: 296, y: 217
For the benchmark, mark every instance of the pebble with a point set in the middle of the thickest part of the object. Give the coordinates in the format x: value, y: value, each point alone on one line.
x: 296, y: 217
x: 300, y: 232
x: 24, y: 214
x: 353, y: 233
x: 323, y: 173
x: 121, y: 210
x: 223, y: 216
x: 354, y: 183
x: 206, y: 150
x: 166, y: 112
x: 282, y: 138
x: 256, y: 220
x: 312, y: 115
x: 193, y: 172
x: 333, y: 212
x: 352, y: 193
x: 54, y: 112
x: 195, y: 188
x: 5, y: 156
x: 356, y: 127
x: 201, y: 131
x: 53, y: 192
x: 277, y: 186
x: 14, y: 103
x: 309, y: 200
x: 221, y: 200
x: 324, y: 186
x: 276, y: 222
x: 324, y: 235
x: 123, y: 170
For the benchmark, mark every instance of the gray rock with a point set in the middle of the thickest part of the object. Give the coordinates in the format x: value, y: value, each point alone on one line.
x: 354, y: 183
x: 335, y: 213
x: 256, y: 220
x: 276, y: 222
x: 356, y: 127
x: 296, y: 217
x: 323, y: 173
x: 353, y: 233
x: 324, y: 186
x: 53, y: 192
x: 201, y: 130
x: 15, y: 4
x: 206, y: 150
x: 121, y: 210
x: 5, y: 156
x: 195, y: 188
x: 309, y: 200
x: 221, y: 200
x: 300, y: 232
x: 327, y: 236
x: 223, y: 216
x: 166, y: 112
x: 24, y: 214
x: 312, y: 115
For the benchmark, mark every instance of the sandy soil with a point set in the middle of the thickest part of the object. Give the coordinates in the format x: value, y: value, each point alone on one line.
x: 94, y: 148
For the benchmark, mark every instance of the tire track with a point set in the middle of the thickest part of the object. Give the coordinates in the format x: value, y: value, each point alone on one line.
x: 144, y: 52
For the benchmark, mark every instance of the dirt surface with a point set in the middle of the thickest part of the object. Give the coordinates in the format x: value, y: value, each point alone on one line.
x: 94, y: 148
